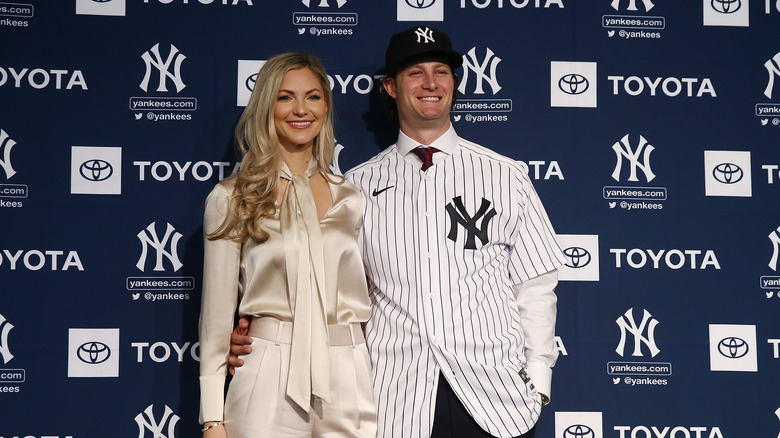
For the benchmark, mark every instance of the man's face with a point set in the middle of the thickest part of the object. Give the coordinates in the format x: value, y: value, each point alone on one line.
x: 422, y: 93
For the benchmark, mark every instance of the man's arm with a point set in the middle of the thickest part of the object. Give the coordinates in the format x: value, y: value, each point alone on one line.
x: 536, y: 301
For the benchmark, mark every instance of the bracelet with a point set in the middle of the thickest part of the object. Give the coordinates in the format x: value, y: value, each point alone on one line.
x: 212, y: 425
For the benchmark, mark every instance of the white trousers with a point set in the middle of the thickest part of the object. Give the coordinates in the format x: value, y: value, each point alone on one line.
x: 256, y: 405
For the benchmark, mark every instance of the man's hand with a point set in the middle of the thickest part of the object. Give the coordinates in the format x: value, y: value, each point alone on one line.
x: 239, y: 344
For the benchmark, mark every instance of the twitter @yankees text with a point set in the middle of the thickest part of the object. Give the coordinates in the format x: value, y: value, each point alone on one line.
x: 482, y: 106
x: 160, y: 108
x: 631, y: 27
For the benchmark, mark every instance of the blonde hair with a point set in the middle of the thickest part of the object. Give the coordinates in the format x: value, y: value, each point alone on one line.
x: 256, y: 182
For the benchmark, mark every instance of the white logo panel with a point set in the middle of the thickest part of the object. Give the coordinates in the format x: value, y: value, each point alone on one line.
x: 733, y: 348
x: 102, y: 7
x: 96, y: 170
x: 93, y: 353
x: 573, y: 84
x: 578, y: 425
x: 247, y: 75
x: 726, y: 13
x: 582, y: 257
x: 727, y: 173
x: 420, y: 10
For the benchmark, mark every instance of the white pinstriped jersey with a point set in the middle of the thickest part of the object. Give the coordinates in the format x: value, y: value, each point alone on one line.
x: 442, y: 250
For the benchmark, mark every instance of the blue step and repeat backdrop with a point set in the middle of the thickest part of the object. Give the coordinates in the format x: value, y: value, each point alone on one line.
x: 651, y: 129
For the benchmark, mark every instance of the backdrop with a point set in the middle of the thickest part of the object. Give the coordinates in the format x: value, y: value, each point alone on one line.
x: 649, y: 127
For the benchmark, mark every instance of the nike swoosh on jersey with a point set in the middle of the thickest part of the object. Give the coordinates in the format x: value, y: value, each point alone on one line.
x: 378, y: 192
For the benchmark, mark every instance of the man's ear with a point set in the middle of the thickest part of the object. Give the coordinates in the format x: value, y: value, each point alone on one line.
x: 389, y: 84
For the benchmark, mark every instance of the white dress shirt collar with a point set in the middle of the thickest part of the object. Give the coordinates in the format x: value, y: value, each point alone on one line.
x: 447, y: 144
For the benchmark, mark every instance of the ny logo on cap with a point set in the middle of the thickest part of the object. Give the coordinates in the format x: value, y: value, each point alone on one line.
x: 426, y: 34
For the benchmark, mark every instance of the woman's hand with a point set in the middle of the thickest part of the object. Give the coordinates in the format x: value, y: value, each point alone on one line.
x: 216, y: 431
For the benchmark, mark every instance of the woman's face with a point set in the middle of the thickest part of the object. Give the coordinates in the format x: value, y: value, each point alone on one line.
x: 300, y: 109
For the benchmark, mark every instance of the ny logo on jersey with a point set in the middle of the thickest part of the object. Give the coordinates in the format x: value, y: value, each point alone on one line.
x: 623, y: 150
x: 470, y: 63
x: 6, y: 143
x: 148, y: 237
x: 773, y: 68
x: 152, y: 425
x: 459, y: 215
x: 774, y: 237
x: 163, y: 67
x: 424, y: 35
x: 628, y: 325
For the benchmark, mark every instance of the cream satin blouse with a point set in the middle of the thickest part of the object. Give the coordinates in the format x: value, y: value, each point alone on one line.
x: 262, y: 280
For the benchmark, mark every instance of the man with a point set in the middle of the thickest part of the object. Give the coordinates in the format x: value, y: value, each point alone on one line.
x: 461, y: 261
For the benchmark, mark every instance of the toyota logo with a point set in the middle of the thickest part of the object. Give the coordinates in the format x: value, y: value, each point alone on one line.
x: 733, y: 347
x: 727, y: 173
x: 96, y: 170
x: 93, y: 352
x: 726, y: 6
x: 573, y: 83
x: 250, y: 82
x: 578, y: 431
x: 577, y: 257
x: 420, y: 4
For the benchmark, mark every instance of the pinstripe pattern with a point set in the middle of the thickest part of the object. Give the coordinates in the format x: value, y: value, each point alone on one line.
x: 438, y: 306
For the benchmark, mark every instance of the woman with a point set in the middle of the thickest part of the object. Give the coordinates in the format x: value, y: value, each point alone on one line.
x: 267, y: 228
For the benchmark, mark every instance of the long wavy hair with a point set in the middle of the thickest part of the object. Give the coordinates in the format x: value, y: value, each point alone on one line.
x: 257, y: 180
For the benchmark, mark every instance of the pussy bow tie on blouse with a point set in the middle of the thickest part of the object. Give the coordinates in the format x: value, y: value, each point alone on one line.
x: 309, y: 372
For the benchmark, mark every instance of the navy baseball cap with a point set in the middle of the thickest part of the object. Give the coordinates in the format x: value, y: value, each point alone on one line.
x: 419, y: 43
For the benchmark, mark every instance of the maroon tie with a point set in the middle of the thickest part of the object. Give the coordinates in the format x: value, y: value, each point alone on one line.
x: 425, y: 155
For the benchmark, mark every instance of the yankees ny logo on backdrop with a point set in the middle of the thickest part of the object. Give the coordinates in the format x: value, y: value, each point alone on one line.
x: 149, y: 238
x: 484, y: 71
x: 628, y: 325
x: 153, y: 59
x: 623, y: 150
x: 5, y: 157
x: 459, y: 216
x: 150, y: 423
